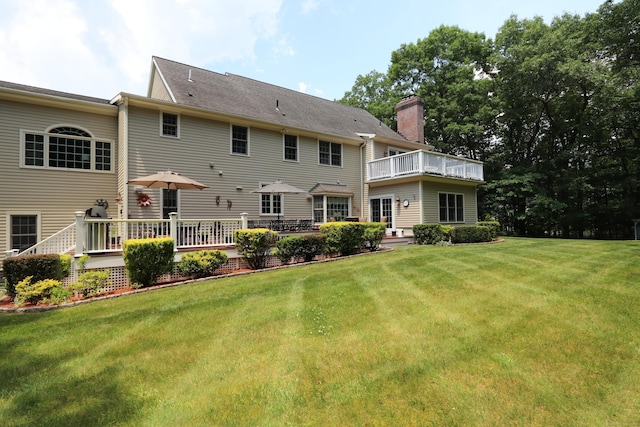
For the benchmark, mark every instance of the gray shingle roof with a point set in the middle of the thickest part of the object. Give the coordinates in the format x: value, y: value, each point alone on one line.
x: 321, y: 188
x: 42, y: 91
x: 247, y: 98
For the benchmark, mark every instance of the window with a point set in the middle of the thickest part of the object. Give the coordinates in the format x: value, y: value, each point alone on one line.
x: 329, y: 153
x: 240, y: 140
x: 66, y: 148
x: 34, y: 150
x: 396, y: 151
x: 270, y: 204
x: 169, y: 202
x: 170, y: 125
x: 338, y: 208
x: 24, y: 231
x: 330, y: 208
x: 451, y: 207
x: 318, y: 209
x: 291, y: 148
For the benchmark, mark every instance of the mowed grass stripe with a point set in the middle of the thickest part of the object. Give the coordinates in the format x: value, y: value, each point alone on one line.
x: 533, y: 332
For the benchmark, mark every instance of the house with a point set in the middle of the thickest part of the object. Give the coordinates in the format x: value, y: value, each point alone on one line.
x: 61, y: 152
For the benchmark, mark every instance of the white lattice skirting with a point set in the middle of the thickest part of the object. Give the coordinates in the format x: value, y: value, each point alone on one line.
x: 119, y: 280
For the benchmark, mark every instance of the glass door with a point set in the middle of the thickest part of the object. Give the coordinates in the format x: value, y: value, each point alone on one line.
x: 382, y: 207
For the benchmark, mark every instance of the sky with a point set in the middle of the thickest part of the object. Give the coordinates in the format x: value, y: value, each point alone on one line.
x: 101, y: 48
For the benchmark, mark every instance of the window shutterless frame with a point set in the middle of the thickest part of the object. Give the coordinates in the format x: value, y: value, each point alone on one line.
x: 169, y: 125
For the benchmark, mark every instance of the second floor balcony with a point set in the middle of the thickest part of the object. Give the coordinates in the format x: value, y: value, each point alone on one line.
x: 421, y: 162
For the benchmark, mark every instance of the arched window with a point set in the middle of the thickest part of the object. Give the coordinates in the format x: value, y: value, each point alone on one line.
x: 67, y: 147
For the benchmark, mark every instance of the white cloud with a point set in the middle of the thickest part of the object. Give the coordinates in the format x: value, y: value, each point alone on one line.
x: 42, y: 43
x: 105, y: 46
x: 302, y: 87
x: 283, y: 48
x: 309, y: 6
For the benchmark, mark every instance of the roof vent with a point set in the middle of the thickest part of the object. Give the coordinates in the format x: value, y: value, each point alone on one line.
x: 190, y: 75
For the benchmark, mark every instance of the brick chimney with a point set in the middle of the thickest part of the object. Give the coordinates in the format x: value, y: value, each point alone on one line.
x: 410, y: 113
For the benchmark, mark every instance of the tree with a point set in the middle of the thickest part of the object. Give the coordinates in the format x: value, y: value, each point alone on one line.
x: 373, y: 92
x: 449, y: 70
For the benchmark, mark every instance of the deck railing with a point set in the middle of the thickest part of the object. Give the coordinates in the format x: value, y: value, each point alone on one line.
x: 421, y: 162
x: 108, y: 235
x: 59, y: 243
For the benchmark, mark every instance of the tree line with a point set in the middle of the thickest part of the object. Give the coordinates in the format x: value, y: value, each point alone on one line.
x: 553, y: 111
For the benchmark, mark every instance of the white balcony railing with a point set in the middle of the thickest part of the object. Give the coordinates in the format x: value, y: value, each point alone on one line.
x: 421, y: 162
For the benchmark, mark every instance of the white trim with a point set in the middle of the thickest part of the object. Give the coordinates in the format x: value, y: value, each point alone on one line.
x: 397, y: 150
x: 463, y: 210
x: 390, y: 196
x: 69, y: 125
x: 177, y: 135
x: 161, y: 197
x: 45, y: 160
x: 8, y: 233
x: 330, y: 164
x: 231, y: 125
x: 284, y: 148
x: 164, y: 81
x: 272, y: 214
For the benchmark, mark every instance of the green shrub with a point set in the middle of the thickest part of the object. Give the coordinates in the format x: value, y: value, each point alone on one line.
x: 201, y: 263
x: 28, y: 292
x: 59, y: 295
x: 311, y: 246
x: 65, y: 264
x: 90, y: 283
x: 428, y: 234
x: 254, y: 244
x: 470, y: 234
x: 343, y: 238
x: 147, y: 259
x: 446, y: 231
x: 287, y: 248
x: 494, y: 227
x: 294, y: 247
x: 373, y: 235
x: 39, y: 267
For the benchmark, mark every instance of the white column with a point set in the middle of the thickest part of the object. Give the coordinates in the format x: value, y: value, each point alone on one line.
x: 173, y: 229
x: 80, y: 234
x: 244, y: 220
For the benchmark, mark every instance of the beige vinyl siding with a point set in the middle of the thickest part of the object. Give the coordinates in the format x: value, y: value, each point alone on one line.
x: 158, y: 88
x: 54, y: 193
x: 403, y: 217
x: 431, y: 203
x: 203, y: 142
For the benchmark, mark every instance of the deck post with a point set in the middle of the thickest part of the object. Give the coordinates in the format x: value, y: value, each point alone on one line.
x: 173, y: 229
x: 79, y: 233
x: 244, y: 220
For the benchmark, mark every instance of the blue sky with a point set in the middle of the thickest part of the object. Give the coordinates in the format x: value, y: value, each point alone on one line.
x: 103, y: 47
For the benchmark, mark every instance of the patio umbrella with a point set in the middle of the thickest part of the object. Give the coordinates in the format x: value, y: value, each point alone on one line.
x: 169, y: 180
x: 277, y: 188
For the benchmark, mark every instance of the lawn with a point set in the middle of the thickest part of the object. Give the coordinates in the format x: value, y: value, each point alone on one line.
x: 525, y: 332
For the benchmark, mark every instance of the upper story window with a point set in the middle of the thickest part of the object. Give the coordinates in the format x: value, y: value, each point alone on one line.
x: 451, y: 207
x: 329, y: 153
x: 66, y: 147
x: 240, y: 140
x: 291, y: 148
x: 170, y: 125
